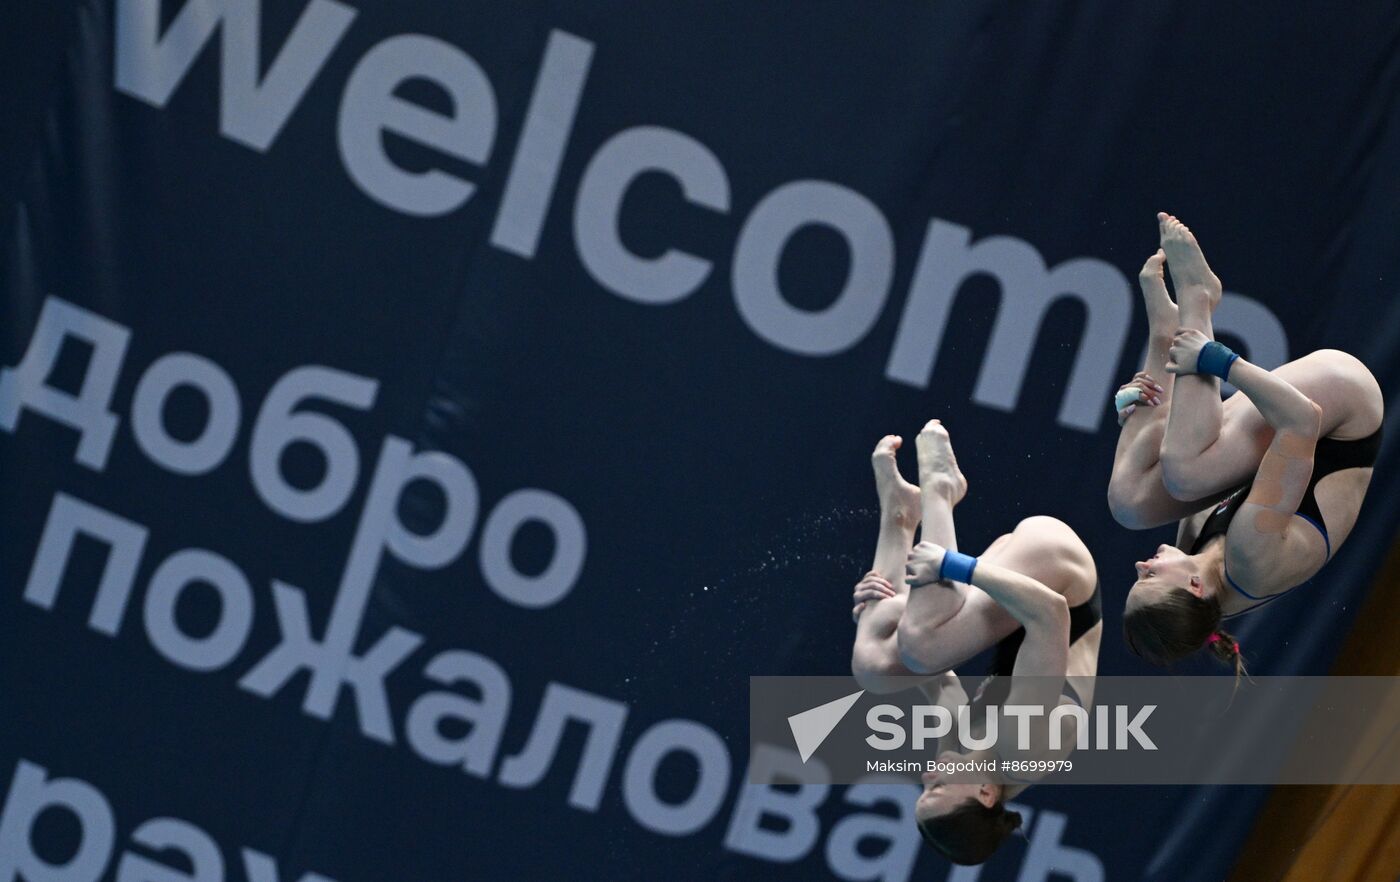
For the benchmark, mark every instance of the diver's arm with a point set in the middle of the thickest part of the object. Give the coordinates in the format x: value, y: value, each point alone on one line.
x: 1282, y: 405
x: 1027, y: 600
x: 1043, y: 612
x: 1042, y: 660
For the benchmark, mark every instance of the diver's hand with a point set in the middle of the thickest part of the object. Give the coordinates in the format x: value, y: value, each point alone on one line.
x: 1185, y: 351
x: 871, y: 588
x: 924, y: 561
x: 1149, y: 394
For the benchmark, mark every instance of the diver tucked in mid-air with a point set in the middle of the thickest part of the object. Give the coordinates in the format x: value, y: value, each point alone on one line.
x: 1039, y: 577
x: 1267, y: 485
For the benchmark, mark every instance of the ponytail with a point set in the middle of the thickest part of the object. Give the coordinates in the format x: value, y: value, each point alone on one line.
x: 1177, y: 625
x: 1223, y: 645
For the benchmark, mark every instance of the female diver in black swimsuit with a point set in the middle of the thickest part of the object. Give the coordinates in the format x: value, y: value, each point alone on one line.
x: 1033, y: 593
x: 1267, y: 485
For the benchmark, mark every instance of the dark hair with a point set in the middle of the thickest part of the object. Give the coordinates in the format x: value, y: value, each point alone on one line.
x: 1180, y: 623
x: 970, y: 833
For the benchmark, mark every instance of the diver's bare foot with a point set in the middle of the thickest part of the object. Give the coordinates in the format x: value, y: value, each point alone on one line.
x: 1162, y: 316
x: 899, y: 499
x: 1191, y: 276
x: 938, y: 468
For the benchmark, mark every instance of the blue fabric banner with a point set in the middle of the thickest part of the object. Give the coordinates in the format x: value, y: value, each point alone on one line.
x: 421, y: 420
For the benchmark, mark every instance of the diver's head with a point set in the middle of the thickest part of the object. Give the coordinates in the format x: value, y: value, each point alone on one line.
x: 1173, y: 608
x: 965, y: 821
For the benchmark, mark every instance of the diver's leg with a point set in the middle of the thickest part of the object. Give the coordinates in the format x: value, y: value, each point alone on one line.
x: 1197, y: 412
x: 934, y: 633
x: 1209, y: 446
x: 1137, y: 496
x: 941, y: 484
x: 875, y: 655
x: 941, y: 487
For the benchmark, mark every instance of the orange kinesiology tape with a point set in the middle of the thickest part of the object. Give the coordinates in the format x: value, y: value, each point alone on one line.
x: 1287, y: 466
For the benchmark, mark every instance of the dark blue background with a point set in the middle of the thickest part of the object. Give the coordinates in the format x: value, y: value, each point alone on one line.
x: 724, y: 483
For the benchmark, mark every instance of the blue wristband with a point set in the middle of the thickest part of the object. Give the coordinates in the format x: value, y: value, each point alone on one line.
x: 957, y: 567
x: 1215, y: 359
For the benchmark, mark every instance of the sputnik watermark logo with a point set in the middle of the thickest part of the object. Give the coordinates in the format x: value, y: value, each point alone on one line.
x: 886, y: 724
x: 1127, y: 730
x: 1112, y: 725
x: 810, y: 728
